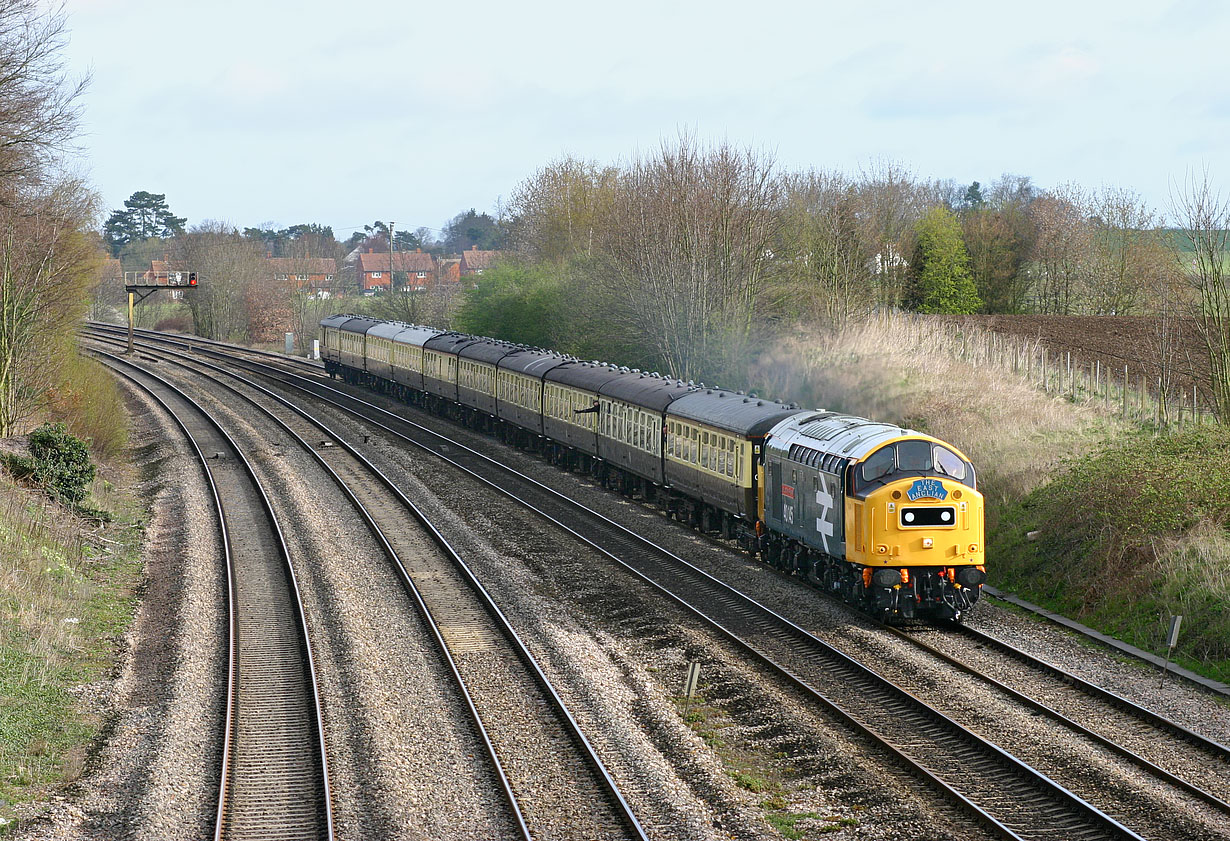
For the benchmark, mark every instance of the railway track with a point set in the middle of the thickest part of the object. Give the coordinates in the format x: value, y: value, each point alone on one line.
x: 1123, y: 727
x: 999, y: 784
x: 516, y: 711
x: 992, y: 786
x: 274, y: 780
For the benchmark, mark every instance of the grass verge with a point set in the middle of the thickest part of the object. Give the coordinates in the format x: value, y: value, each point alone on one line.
x: 67, y: 595
x: 1129, y: 536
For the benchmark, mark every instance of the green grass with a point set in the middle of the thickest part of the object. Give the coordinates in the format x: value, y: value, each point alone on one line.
x: 787, y: 824
x: 63, y: 605
x: 1127, y: 537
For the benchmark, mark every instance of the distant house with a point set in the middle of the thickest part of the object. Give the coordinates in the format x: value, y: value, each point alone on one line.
x: 160, y: 271
x: 317, y: 275
x: 449, y: 270
x: 474, y: 262
x: 376, y: 269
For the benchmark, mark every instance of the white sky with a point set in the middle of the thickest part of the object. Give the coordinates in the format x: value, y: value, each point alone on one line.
x: 343, y: 113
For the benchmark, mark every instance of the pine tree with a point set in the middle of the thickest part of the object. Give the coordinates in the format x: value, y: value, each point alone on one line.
x: 145, y: 215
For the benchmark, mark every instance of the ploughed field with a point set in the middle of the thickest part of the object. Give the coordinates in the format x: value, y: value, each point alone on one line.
x: 1115, y: 340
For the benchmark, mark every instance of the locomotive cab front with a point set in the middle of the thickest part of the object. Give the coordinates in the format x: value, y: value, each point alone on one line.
x: 915, y: 523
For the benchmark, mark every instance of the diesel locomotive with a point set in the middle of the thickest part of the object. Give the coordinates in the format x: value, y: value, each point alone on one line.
x: 886, y: 518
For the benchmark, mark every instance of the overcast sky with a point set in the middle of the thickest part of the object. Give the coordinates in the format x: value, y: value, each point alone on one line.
x: 343, y: 113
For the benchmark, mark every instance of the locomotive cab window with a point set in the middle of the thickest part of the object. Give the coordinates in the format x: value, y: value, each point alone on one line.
x: 879, y: 465
x: 911, y: 458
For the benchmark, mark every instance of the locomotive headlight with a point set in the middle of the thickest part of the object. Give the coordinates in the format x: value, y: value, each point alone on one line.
x: 946, y: 516
x: 928, y: 543
x: 908, y: 516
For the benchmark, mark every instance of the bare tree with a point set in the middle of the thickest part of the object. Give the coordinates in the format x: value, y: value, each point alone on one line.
x: 1061, y: 251
x: 689, y: 249
x: 1127, y: 252
x: 559, y: 211
x: 231, y: 268
x: 822, y: 260
x: 890, y: 203
x: 1203, y: 217
x: 48, y: 261
x: 39, y: 104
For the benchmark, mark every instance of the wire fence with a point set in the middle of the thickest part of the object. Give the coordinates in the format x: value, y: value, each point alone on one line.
x: 1131, y: 392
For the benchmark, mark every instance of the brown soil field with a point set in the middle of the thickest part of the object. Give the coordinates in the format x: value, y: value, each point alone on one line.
x: 1115, y: 341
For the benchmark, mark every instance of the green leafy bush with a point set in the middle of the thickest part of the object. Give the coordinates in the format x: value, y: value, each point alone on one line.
x: 58, y: 462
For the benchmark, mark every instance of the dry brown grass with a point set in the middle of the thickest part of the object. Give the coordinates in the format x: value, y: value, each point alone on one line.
x: 90, y: 401
x: 910, y: 373
x: 1195, y: 567
x: 40, y: 572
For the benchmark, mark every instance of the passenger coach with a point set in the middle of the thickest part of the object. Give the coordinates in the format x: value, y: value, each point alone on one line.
x: 887, y: 518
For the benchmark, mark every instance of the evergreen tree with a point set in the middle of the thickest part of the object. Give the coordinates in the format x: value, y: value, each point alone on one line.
x: 144, y: 215
x: 973, y: 198
x: 470, y: 229
x: 939, y: 277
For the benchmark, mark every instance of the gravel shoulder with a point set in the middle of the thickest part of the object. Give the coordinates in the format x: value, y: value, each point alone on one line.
x: 154, y: 771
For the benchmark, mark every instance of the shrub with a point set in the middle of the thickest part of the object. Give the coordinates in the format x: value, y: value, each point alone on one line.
x: 61, y: 463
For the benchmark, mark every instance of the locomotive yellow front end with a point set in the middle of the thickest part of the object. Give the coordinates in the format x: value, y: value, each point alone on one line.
x: 914, y: 521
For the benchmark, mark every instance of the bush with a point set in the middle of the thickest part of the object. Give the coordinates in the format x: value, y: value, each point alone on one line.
x: 59, y: 463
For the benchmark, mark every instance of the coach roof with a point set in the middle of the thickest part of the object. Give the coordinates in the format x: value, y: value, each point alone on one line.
x: 416, y: 335
x: 646, y: 390
x: 449, y: 342
x: 727, y: 410
x: 533, y: 362
x: 487, y: 350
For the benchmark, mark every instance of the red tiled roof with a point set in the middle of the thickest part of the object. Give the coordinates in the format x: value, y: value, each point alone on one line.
x: 403, y: 261
x: 475, y: 259
x: 163, y: 266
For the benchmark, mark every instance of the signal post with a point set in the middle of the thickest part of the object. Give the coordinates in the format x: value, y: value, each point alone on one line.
x: 140, y: 285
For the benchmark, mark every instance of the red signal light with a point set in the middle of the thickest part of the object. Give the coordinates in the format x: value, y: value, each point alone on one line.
x: 192, y: 278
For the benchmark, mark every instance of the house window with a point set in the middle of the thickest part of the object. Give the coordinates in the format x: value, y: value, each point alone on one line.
x: 377, y: 274
x: 328, y: 278
x: 421, y: 274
